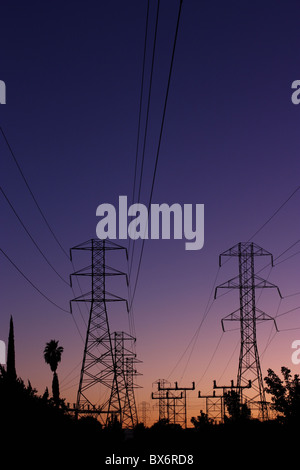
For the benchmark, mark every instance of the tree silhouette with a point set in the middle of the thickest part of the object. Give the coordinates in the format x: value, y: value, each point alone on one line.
x: 237, y: 411
x: 285, y: 394
x: 202, y: 421
x: 52, y: 356
x: 11, y: 365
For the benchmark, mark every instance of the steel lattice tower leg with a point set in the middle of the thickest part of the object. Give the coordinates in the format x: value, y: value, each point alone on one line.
x: 130, y: 408
x: 100, y: 366
x: 122, y: 392
x: 248, y: 315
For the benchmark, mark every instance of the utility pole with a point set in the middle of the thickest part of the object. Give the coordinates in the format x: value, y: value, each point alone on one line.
x: 160, y: 396
x: 176, y: 404
x: 248, y: 315
x: 225, y: 388
x: 213, y: 406
x: 169, y: 399
x: 104, y: 358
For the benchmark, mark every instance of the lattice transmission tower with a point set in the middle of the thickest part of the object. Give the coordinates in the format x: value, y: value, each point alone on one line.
x: 144, y: 408
x: 248, y: 315
x: 108, y: 361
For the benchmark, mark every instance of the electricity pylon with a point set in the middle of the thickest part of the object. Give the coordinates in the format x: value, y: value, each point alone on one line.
x: 103, y: 367
x: 144, y: 408
x: 248, y: 315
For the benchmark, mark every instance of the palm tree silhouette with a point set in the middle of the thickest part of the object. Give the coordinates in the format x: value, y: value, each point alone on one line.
x: 52, y: 356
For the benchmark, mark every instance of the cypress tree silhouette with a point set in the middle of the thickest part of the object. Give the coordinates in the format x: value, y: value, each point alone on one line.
x: 11, y: 363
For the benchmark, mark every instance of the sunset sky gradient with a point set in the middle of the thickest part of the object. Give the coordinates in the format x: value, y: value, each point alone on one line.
x: 231, y: 142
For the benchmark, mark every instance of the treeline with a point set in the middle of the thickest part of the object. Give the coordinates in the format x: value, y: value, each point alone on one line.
x: 32, y: 421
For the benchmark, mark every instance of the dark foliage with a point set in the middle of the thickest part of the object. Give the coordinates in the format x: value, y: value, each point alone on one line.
x: 30, y: 421
x: 11, y: 366
x: 285, y: 395
x: 237, y: 411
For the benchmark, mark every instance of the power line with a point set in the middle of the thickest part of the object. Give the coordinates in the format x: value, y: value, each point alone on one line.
x: 292, y: 295
x: 44, y: 218
x: 196, y: 334
x: 140, y: 108
x: 229, y: 360
x: 270, y: 338
x: 289, y: 257
x: 30, y: 236
x: 39, y: 291
x: 31, y: 193
x: 287, y: 249
x: 288, y: 311
x: 275, y: 213
x: 149, y: 100
x: 131, y: 252
x: 159, y: 141
x: 211, y: 359
x: 225, y: 293
x: 147, y: 120
x: 290, y: 329
x: 31, y: 283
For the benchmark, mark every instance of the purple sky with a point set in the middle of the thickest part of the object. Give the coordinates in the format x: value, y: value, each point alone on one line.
x: 230, y: 141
